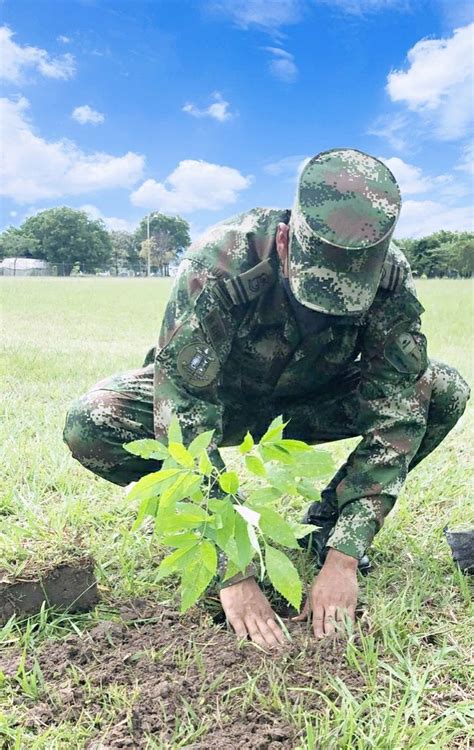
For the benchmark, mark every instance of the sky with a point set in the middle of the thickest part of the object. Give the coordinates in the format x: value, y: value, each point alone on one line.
x: 206, y: 108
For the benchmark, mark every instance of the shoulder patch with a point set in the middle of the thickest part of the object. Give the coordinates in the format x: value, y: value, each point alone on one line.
x: 404, y: 352
x: 392, y: 277
x: 198, y: 364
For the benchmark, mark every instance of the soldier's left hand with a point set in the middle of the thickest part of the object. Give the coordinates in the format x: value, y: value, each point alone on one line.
x: 333, y: 595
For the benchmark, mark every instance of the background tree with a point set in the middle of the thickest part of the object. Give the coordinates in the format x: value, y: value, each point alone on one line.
x: 169, y: 238
x: 124, y: 252
x: 442, y: 253
x: 65, y: 237
x: 462, y: 251
x: 16, y: 244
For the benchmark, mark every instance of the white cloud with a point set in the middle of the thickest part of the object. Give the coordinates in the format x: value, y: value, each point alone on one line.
x: 13, y: 214
x: 419, y: 218
x: 218, y: 110
x: 15, y: 60
x: 35, y: 169
x: 282, y: 65
x: 268, y: 15
x: 393, y: 129
x: 112, y: 223
x: 411, y: 178
x: 466, y: 163
x: 63, y: 39
x: 439, y: 82
x: 86, y: 115
x: 192, y: 186
x: 272, y: 15
x: 362, y: 7
x: 287, y: 167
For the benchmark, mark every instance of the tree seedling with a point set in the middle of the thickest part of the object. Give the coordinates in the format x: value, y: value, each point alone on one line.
x: 201, y: 514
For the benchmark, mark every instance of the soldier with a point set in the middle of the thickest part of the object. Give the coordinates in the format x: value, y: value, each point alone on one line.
x: 312, y: 314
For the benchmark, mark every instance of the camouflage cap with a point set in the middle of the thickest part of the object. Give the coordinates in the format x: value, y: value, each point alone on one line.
x: 345, y: 211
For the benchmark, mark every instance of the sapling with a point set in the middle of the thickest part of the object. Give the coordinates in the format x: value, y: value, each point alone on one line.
x: 202, y: 515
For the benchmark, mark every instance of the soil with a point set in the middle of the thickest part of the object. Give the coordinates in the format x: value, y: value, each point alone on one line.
x: 70, y: 587
x: 172, y: 666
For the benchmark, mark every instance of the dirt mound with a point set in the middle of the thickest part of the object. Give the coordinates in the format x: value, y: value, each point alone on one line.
x: 180, y: 672
x: 69, y: 586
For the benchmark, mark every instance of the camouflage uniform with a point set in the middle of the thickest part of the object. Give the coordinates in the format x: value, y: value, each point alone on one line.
x: 237, y: 348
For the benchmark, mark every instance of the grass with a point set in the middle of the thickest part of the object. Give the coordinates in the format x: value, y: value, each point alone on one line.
x: 415, y: 652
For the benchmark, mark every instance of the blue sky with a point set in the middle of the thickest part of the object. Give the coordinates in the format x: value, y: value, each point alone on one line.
x: 209, y: 107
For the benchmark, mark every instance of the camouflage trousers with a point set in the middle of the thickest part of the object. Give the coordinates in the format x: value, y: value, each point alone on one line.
x: 120, y: 409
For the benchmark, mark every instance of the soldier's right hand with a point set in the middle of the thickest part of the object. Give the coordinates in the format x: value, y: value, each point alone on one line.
x: 249, y: 612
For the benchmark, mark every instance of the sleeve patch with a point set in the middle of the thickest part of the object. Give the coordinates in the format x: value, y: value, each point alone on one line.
x: 404, y: 353
x: 198, y: 365
x: 214, y: 327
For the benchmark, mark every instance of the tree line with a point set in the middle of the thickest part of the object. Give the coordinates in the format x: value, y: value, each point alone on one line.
x: 73, y: 242
x: 441, y: 254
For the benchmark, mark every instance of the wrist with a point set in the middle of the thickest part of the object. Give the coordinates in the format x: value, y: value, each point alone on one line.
x: 249, y: 572
x: 338, y: 559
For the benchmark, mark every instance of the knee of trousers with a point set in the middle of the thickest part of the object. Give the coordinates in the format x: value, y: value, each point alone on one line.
x: 450, y: 392
x: 88, y: 429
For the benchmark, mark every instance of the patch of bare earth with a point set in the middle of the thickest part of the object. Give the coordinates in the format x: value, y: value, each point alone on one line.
x: 68, y: 586
x: 171, y: 668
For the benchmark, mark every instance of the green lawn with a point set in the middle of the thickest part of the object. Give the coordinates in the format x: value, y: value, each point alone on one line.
x: 412, y: 656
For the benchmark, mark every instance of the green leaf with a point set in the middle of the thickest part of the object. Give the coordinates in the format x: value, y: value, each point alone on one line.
x: 274, y: 526
x: 256, y: 466
x: 283, y: 575
x: 314, y: 464
x: 247, y: 443
x: 263, y: 495
x: 303, y: 529
x: 282, y: 479
x: 218, y: 505
x: 231, y: 570
x: 177, y: 491
x: 224, y: 525
x: 174, y: 431
x: 294, y: 446
x: 184, y: 520
x: 208, y: 556
x: 181, y: 455
x: 256, y: 546
x: 197, y: 496
x: 194, y: 581
x: 151, y: 484
x: 205, y: 465
x: 273, y: 452
x: 194, y: 511
x: 200, y: 443
x: 229, y: 482
x: 177, y: 560
x: 147, y: 448
x: 307, y: 489
x: 275, y: 430
x: 148, y: 507
x: 186, y: 539
x: 238, y: 548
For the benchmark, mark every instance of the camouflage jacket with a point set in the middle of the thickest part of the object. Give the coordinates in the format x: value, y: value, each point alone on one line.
x: 229, y: 337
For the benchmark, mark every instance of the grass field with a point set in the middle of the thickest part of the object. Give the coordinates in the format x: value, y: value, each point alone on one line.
x: 401, y: 682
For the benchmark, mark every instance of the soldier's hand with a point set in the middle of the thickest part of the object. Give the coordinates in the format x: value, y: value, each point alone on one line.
x: 333, y: 595
x: 249, y: 612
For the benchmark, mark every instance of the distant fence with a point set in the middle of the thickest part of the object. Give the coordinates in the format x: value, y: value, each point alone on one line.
x: 33, y: 267
x: 36, y: 267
